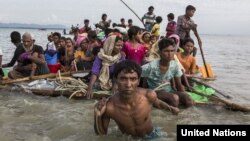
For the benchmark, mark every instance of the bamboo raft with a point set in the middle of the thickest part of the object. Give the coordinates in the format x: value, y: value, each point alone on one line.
x: 66, y: 86
x: 73, y: 88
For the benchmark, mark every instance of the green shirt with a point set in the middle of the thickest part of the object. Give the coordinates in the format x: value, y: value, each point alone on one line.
x: 151, y: 71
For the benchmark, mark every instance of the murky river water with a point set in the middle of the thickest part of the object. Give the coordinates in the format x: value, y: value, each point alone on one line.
x: 28, y: 117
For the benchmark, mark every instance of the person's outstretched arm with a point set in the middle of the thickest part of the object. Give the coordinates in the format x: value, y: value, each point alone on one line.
x: 95, y: 71
x: 152, y: 97
x: 18, y: 51
x: 90, y: 86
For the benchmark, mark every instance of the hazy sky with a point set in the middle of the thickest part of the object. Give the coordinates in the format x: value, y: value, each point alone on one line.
x: 212, y: 16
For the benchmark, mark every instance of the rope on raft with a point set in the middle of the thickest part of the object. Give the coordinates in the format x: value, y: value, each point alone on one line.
x: 76, y: 86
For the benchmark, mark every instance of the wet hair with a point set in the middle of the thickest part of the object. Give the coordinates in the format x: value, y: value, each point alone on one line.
x: 57, y: 34
x: 92, y: 34
x: 130, y: 20
x: 158, y: 19
x: 150, y: 7
x: 15, y: 37
x: 128, y: 66
x: 133, y: 31
x: 190, y: 7
x: 164, y: 43
x: 171, y: 16
x: 186, y: 40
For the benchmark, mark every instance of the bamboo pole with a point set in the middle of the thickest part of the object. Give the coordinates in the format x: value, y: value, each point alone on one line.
x: 51, y: 75
x: 133, y: 12
x: 231, y: 105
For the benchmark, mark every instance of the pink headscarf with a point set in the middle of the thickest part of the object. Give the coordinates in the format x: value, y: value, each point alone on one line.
x: 177, y: 39
x: 80, y: 38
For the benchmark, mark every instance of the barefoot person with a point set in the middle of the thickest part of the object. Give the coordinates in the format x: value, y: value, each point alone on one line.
x: 130, y: 107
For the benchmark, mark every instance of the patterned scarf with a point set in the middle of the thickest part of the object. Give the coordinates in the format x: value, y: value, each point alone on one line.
x: 107, y: 60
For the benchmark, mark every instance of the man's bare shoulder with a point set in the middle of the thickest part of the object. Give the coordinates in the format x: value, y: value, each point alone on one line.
x: 111, y: 103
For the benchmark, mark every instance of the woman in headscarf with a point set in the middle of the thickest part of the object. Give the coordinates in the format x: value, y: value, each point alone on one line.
x: 83, y: 58
x: 104, y: 63
x: 67, y: 64
x: 176, y: 39
x: 146, y: 40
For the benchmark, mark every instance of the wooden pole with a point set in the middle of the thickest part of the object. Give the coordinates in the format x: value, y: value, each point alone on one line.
x: 231, y: 105
x: 204, y: 62
x: 133, y: 12
x: 51, y: 75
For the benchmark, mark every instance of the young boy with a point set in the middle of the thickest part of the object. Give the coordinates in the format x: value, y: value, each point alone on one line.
x: 156, y: 27
x: 185, y: 24
x: 130, y: 23
x: 171, y: 25
x: 149, y: 18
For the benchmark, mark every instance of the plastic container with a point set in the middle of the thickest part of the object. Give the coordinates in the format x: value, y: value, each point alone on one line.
x: 5, y: 72
x: 53, y: 68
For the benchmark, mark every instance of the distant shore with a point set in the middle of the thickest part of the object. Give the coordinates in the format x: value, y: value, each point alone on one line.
x: 52, y: 28
x: 33, y: 26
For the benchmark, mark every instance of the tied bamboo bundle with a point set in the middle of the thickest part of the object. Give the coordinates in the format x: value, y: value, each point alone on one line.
x: 76, y: 86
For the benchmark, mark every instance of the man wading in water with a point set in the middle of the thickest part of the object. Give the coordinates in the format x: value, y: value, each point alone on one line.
x: 130, y: 107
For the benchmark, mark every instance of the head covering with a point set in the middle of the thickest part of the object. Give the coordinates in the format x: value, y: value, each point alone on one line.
x: 143, y: 34
x: 50, y: 34
x: 177, y: 39
x: 121, y: 29
x: 79, y: 39
x: 107, y: 60
x: 153, y: 52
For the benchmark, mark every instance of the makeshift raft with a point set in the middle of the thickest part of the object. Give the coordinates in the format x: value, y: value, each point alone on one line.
x: 59, y: 85
x: 53, y: 85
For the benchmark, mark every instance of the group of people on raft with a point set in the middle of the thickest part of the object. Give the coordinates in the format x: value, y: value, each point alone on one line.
x: 130, y: 61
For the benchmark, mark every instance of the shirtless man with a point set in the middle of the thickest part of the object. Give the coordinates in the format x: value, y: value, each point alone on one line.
x: 131, y: 106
